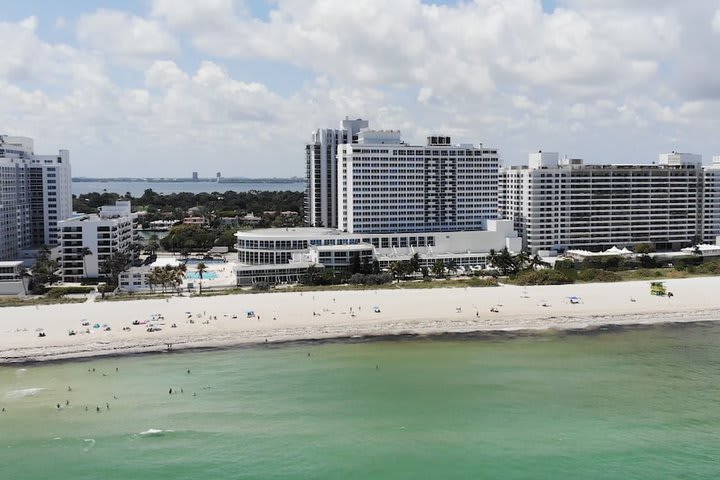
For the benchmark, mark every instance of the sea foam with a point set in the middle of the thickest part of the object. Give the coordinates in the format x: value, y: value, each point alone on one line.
x: 23, y: 392
x: 154, y: 432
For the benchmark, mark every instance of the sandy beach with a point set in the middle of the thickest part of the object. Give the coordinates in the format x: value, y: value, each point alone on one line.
x: 223, y: 321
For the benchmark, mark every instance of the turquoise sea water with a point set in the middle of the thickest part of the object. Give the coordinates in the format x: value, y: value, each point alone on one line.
x: 641, y: 404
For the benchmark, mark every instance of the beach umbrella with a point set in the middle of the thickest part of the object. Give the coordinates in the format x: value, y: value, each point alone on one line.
x: 97, y: 325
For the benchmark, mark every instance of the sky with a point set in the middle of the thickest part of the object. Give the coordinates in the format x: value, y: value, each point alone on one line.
x: 154, y: 88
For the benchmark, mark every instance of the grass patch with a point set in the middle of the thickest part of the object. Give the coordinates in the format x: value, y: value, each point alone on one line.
x: 25, y: 302
x: 123, y: 297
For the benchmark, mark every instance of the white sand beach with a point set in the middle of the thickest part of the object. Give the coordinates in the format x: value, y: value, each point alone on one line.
x: 280, y: 317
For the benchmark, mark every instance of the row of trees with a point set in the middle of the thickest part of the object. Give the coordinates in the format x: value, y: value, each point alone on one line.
x: 169, y: 276
x: 509, y: 264
x: 229, y: 201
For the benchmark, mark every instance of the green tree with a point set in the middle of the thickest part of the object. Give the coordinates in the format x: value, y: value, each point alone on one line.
x: 438, y: 268
x: 395, y: 270
x: 201, y: 269
x: 415, y: 262
x: 44, y: 272
x: 114, y: 266
x: 452, y: 267
x: 645, y: 248
x: 355, y: 264
x: 153, y: 244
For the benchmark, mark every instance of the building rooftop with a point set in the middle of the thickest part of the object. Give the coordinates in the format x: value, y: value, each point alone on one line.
x: 11, y: 263
x: 289, y: 232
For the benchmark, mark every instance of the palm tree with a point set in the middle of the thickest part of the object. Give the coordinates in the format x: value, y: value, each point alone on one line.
x: 452, y: 267
x: 153, y: 279
x: 415, y: 262
x: 522, y: 259
x: 85, y: 252
x: 395, y: 270
x: 537, y: 261
x: 153, y: 244
x: 492, y: 257
x: 438, y: 268
x: 201, y: 268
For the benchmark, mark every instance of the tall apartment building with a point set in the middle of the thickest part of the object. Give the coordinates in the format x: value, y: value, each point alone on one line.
x: 111, y: 231
x: 711, y: 201
x: 35, y: 193
x: 321, y: 202
x: 385, y: 185
x: 563, y: 204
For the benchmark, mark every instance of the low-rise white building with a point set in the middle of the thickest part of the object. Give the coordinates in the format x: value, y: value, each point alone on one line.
x: 12, y: 281
x: 135, y: 279
x: 111, y: 231
x: 332, y: 248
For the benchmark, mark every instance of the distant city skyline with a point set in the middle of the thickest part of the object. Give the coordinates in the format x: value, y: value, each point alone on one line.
x: 157, y: 88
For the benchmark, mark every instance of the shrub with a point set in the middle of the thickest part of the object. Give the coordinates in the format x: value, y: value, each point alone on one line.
x: 596, y: 275
x: 58, y: 292
x: 261, y: 286
x: 712, y: 267
x: 483, y: 282
x: 565, y: 265
x: 648, y: 273
x: 370, y: 278
x: 487, y: 273
x: 604, y: 262
x: 683, y: 263
x: 38, y: 289
x: 542, y: 277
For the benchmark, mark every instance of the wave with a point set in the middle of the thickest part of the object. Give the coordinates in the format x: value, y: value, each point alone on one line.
x: 24, y: 392
x: 90, y: 442
x: 154, y: 432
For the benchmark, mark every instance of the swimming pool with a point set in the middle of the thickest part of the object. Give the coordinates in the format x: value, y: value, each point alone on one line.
x: 195, y: 261
x: 196, y: 275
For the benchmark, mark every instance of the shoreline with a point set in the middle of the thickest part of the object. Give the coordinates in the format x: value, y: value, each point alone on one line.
x: 479, y: 335
x: 282, y: 318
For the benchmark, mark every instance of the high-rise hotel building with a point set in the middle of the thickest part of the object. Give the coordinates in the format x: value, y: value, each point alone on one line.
x: 566, y: 204
x: 385, y: 185
x: 35, y: 193
x: 321, y: 202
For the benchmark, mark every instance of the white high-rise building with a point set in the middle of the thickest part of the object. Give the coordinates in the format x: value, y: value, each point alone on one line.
x: 711, y: 202
x: 112, y: 230
x: 321, y: 202
x: 35, y: 193
x: 386, y: 185
x: 564, y: 204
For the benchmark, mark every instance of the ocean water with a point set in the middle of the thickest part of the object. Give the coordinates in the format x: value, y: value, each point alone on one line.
x: 136, y: 189
x: 642, y: 404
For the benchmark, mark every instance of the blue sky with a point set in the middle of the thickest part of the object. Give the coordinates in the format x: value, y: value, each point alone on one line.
x: 162, y: 87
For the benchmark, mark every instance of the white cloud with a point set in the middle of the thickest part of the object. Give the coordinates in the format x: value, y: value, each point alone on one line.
x: 126, y: 38
x: 716, y: 22
x: 593, y: 78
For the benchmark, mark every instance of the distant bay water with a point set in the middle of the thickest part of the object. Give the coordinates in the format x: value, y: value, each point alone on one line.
x: 136, y: 189
x: 636, y: 404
